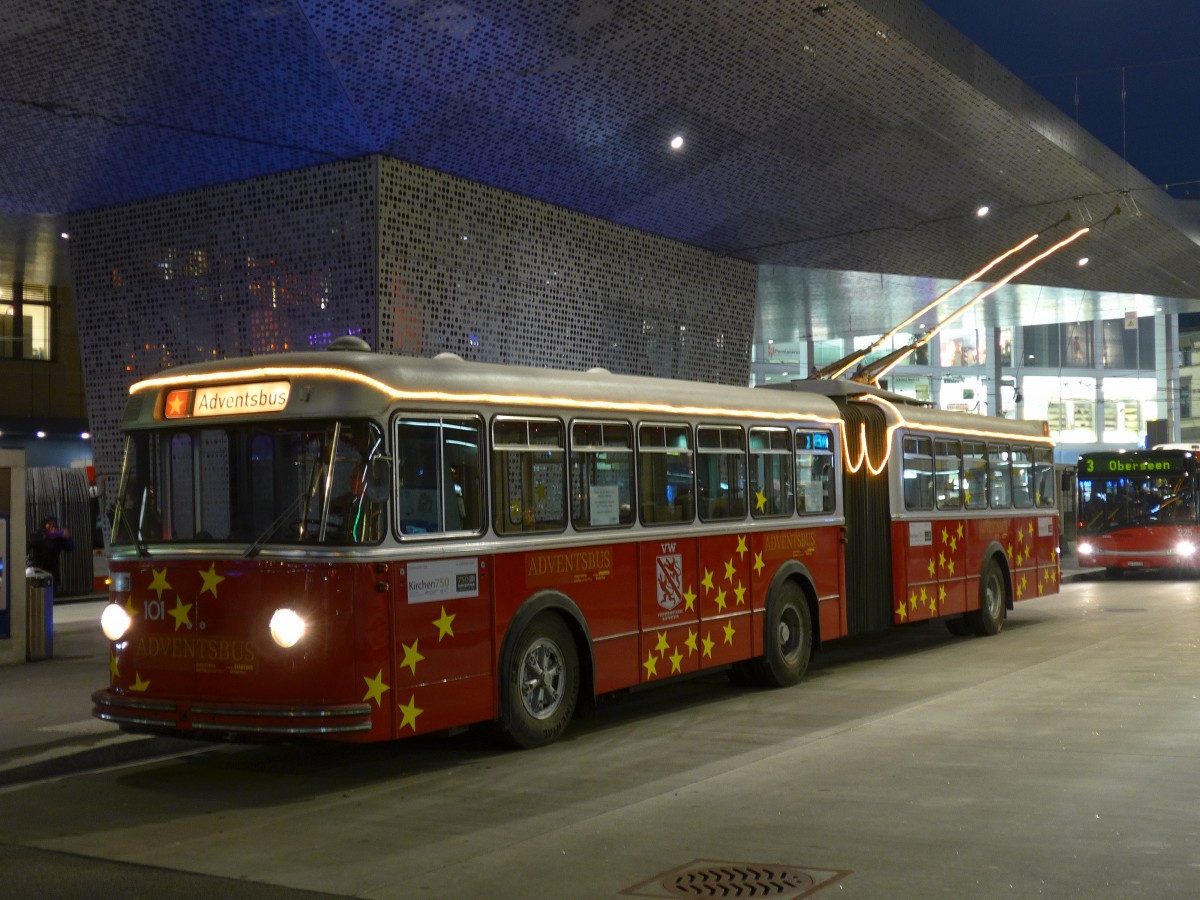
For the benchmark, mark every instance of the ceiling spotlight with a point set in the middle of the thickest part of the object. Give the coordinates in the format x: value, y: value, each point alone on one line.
x: 1083, y: 261
x: 85, y: 435
x: 64, y: 235
x: 41, y: 434
x: 983, y: 211
x: 821, y: 8
x: 677, y: 142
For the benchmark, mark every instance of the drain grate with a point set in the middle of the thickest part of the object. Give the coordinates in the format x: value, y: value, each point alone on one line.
x: 714, y: 878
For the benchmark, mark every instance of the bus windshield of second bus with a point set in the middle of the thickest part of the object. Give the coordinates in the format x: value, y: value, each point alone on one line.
x: 1129, y: 490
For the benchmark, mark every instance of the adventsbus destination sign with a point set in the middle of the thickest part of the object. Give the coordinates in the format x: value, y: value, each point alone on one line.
x: 1123, y: 464
x: 227, y: 400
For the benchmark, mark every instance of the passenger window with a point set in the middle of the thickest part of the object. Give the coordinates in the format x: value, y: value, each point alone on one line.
x: 721, y: 474
x: 815, y: 488
x: 601, y: 474
x: 666, y: 494
x: 1044, y: 488
x: 975, y: 475
x: 1022, y: 477
x: 917, y: 473
x: 528, y: 475
x: 771, y: 472
x: 999, y: 477
x: 948, y: 475
x: 439, y: 478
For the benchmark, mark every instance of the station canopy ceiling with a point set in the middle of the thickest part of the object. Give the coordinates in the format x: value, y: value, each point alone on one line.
x: 847, y: 136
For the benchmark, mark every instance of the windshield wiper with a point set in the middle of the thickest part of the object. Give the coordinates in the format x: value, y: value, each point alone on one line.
x: 291, y: 509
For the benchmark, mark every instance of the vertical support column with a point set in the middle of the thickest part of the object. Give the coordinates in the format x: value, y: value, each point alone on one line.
x: 1166, y: 369
x: 995, y: 394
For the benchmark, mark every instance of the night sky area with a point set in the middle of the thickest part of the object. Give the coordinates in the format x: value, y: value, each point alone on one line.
x: 1074, y: 52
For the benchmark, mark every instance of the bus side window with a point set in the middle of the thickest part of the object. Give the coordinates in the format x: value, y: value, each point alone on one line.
x: 948, y: 475
x: 917, y: 473
x: 439, y: 476
x: 665, y: 474
x: 1043, y: 478
x: 1022, y: 477
x: 999, y: 476
x: 770, y: 472
x: 721, y: 473
x: 528, y: 475
x: 601, y: 474
x: 975, y: 475
x: 815, y: 488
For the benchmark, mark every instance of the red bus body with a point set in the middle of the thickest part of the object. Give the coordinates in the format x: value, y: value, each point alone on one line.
x: 410, y: 635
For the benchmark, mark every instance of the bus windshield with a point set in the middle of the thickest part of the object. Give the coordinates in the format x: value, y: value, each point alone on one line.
x: 250, y: 485
x: 1108, y: 501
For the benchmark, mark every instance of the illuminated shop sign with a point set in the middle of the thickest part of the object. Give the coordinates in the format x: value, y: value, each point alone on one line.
x: 227, y: 400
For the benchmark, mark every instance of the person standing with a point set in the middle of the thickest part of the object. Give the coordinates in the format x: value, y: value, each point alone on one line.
x: 46, y: 546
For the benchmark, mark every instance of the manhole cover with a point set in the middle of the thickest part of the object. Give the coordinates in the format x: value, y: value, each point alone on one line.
x: 717, y: 878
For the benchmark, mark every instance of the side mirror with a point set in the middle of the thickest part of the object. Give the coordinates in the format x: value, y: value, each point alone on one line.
x: 379, y: 479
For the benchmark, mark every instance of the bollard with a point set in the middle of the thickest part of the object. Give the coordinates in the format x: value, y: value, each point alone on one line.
x: 39, y: 625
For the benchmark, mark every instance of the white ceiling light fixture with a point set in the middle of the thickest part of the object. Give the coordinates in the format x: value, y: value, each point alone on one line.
x: 677, y: 142
x: 1083, y: 261
x: 983, y: 211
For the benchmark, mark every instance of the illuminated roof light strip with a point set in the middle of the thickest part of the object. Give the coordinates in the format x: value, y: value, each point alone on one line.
x: 954, y: 429
x: 498, y: 399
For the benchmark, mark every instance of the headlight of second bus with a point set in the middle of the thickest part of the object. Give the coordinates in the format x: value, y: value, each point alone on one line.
x: 1086, y: 549
x: 286, y: 627
x: 1185, y: 548
x: 115, y: 621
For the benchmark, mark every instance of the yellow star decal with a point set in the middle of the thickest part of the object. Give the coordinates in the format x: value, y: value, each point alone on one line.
x: 412, y: 656
x: 942, y: 560
x: 211, y: 580
x: 129, y: 608
x: 708, y: 645
x: 159, y: 584
x: 924, y: 595
x: 932, y: 567
x: 180, y: 613
x: 912, y: 600
x: 945, y: 535
x: 707, y: 580
x: 760, y: 501
x: 950, y: 567
x: 759, y: 565
x: 375, y: 689
x: 689, y: 598
x: 1008, y: 550
x: 740, y: 593
x: 409, y: 712
x: 730, y: 571
x: 942, y: 593
x: 1020, y: 536
x: 114, y: 665
x: 953, y: 544
x: 960, y: 530
x: 720, y: 599
x: 662, y: 646
x: 1031, y: 529
x: 690, y: 643
x: 676, y: 661
x: 741, y: 547
x: 902, y: 611
x: 1020, y: 591
x: 138, y: 684
x: 445, y: 626
x: 651, y: 666
x: 729, y: 633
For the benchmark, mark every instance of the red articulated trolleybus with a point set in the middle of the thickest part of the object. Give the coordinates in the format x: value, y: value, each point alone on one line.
x: 366, y: 547
x: 1138, y: 510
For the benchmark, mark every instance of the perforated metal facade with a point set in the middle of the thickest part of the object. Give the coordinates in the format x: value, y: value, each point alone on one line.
x: 415, y: 261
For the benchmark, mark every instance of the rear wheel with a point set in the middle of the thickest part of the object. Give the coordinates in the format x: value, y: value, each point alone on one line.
x: 989, y: 618
x: 541, y: 683
x: 788, y: 639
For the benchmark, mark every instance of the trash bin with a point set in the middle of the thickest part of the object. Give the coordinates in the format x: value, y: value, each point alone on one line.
x: 39, y: 624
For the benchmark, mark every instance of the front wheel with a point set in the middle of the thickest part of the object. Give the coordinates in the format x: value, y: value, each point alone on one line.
x: 989, y: 618
x: 540, y: 683
x: 788, y: 639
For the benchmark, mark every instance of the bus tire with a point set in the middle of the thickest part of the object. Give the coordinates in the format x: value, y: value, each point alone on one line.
x: 989, y: 618
x: 788, y: 639
x: 541, y: 683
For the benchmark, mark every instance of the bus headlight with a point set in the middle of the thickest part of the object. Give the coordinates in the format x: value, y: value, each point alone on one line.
x: 286, y: 627
x: 1185, y: 548
x: 1086, y: 549
x: 115, y: 621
